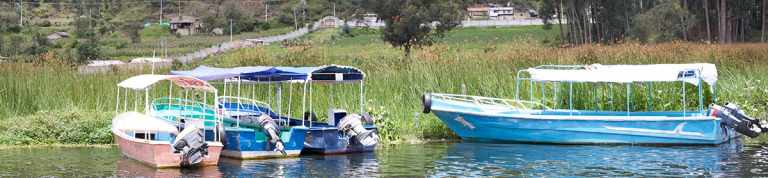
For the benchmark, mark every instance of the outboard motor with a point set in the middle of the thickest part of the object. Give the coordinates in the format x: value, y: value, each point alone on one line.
x: 733, y: 117
x: 272, y: 131
x: 352, y: 125
x: 191, y: 144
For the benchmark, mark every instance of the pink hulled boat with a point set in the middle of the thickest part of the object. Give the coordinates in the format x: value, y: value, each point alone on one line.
x: 160, y: 142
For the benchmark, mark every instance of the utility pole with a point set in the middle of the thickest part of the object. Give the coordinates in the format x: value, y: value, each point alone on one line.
x: 266, y: 10
x: 295, y: 24
x: 21, y: 13
x: 230, y: 30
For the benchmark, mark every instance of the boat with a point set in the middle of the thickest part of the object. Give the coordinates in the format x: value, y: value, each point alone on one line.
x: 252, y: 128
x: 343, y: 131
x: 156, y: 141
x: 543, y: 118
x: 357, y: 131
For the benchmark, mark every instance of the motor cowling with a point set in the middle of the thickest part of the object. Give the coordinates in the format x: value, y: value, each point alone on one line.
x: 191, y: 144
x: 352, y: 125
x: 271, y: 129
x: 733, y: 117
x: 426, y: 102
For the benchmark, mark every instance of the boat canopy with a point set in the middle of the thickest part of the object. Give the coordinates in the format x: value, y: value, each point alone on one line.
x: 336, y: 74
x: 690, y: 73
x: 142, y: 82
x: 326, y: 74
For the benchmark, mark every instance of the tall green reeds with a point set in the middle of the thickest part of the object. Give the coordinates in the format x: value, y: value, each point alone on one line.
x: 472, y: 61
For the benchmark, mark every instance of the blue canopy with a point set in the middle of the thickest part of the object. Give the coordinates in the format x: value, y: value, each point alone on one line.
x: 327, y: 73
x: 276, y: 74
x: 208, y: 73
x: 336, y: 73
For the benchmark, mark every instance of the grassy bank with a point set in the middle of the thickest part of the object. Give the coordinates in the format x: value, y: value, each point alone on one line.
x: 483, y: 60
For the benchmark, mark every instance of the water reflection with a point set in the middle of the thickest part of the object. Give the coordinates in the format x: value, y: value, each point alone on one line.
x: 485, y: 159
x: 418, y: 160
x: 131, y: 168
x: 349, y: 165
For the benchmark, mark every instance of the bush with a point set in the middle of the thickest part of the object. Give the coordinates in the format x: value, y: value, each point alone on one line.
x: 57, y: 127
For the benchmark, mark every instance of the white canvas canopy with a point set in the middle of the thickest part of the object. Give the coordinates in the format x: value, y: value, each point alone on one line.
x: 690, y: 73
x: 142, y: 82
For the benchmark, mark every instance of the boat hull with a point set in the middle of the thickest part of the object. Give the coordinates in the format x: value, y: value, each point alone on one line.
x: 584, y: 131
x: 161, y: 155
x: 328, y: 140
x: 247, y: 143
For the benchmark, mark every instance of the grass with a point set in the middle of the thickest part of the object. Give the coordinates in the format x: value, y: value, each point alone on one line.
x: 482, y: 60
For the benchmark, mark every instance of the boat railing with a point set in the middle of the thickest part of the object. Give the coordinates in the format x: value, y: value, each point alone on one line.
x: 514, y: 104
x: 166, y: 101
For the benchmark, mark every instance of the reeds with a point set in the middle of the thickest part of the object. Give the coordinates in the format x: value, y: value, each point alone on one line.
x: 463, y: 63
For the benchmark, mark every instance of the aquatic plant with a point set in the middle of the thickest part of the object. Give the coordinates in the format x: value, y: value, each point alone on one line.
x: 475, y: 61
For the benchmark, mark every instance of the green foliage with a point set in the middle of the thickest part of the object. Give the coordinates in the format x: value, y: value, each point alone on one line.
x: 132, y: 29
x: 664, y: 22
x: 71, y: 126
x: 155, y: 31
x: 416, y: 23
x: 86, y: 50
x: 16, y: 44
x: 40, y: 44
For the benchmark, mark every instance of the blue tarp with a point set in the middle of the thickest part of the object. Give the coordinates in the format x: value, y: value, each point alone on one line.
x: 328, y: 73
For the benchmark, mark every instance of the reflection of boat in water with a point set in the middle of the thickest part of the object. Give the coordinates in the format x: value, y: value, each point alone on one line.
x: 131, y: 168
x: 348, y: 165
x: 526, y: 160
x: 592, y: 117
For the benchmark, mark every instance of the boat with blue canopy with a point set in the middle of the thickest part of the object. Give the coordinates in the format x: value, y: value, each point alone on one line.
x: 600, y: 104
x: 343, y: 131
x: 254, y: 129
x: 243, y: 113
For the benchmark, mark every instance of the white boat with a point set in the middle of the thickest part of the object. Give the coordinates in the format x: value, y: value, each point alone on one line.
x: 158, y: 142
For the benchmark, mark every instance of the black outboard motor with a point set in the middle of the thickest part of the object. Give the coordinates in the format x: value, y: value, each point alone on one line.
x: 733, y: 117
x: 352, y: 125
x: 272, y: 131
x: 191, y: 144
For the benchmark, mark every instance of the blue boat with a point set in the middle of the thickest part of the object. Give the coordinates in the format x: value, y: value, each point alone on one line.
x: 245, y: 137
x: 535, y: 121
x: 343, y: 132
x: 252, y: 129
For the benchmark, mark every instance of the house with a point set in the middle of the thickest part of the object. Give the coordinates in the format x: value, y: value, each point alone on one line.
x: 185, y: 25
x: 499, y: 12
x: 330, y: 22
x: 56, y: 36
x: 477, y: 12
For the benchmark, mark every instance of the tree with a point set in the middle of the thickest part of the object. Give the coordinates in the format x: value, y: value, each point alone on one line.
x: 40, y: 44
x: 2, y: 45
x: 416, y: 23
x: 721, y: 13
x: 15, y: 45
x: 132, y: 29
x: 664, y: 22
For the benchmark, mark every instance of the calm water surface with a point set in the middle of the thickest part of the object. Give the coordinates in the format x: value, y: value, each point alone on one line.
x: 429, y: 160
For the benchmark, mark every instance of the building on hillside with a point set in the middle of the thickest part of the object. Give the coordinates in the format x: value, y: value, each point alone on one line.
x: 56, y: 36
x: 477, y: 12
x: 330, y: 22
x: 185, y: 25
x: 499, y: 12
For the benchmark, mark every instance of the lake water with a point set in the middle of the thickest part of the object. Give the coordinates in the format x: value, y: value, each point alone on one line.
x: 421, y: 160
